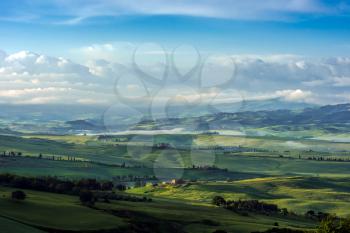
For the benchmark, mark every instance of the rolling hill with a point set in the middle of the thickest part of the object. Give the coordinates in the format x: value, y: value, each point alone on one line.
x: 332, y: 118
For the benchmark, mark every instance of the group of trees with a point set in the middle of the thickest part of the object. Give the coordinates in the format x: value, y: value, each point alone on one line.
x: 329, y: 224
x: 122, y: 165
x: 18, y: 195
x: 89, y: 198
x: 41, y: 156
x: 133, y: 178
x: 89, y: 190
x: 316, y: 215
x: 207, y: 167
x: 247, y: 205
x: 85, y: 162
x: 10, y: 154
x: 333, y: 224
x: 163, y: 146
x: 282, y: 230
x: 328, y: 159
x: 53, y: 184
x: 118, y: 197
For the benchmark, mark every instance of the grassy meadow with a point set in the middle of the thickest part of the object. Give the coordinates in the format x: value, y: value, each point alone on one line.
x: 272, y: 169
x: 298, y: 194
x: 36, y: 213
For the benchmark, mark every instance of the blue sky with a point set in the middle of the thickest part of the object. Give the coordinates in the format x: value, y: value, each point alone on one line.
x: 307, y: 27
x: 292, y: 49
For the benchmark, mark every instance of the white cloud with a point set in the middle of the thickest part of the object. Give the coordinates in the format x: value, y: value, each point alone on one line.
x: 294, y: 95
x: 27, y: 77
x: 114, y: 52
x: 30, y: 78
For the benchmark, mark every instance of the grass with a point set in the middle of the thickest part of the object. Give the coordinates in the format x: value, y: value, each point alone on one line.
x: 299, y: 185
x: 298, y: 194
x: 76, y: 139
x: 9, y: 226
x: 271, y: 143
x: 263, y: 163
x: 75, y: 170
x: 100, y: 152
x: 55, y: 211
x: 281, y: 166
x: 134, y: 152
x: 192, y: 217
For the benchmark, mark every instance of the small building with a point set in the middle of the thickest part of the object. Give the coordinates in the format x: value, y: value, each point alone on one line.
x: 177, y: 181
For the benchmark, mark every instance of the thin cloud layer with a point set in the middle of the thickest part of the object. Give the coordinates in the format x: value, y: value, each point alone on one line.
x: 74, y: 12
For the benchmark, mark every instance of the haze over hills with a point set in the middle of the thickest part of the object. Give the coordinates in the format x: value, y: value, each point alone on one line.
x: 333, y: 118
x: 241, y: 106
x: 60, y: 112
x: 275, y: 113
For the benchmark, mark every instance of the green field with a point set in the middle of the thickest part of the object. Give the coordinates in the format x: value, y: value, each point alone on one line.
x: 273, y: 169
x: 298, y: 194
x: 43, y: 209
x: 36, y: 212
x: 10, y: 226
x: 133, y: 152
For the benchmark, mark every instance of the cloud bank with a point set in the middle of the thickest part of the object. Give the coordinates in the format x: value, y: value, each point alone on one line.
x: 31, y: 78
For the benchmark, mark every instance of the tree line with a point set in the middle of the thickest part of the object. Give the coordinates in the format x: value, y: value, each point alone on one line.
x: 247, y: 205
x: 67, y: 159
x: 99, y: 189
x: 330, y: 224
x: 262, y: 207
x: 53, y: 184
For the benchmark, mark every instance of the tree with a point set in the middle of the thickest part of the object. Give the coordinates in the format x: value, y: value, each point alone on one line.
x: 345, y: 225
x: 18, y: 195
x: 218, y: 201
x: 332, y: 224
x: 87, y: 197
x: 107, y: 186
x: 284, y: 211
x: 120, y: 187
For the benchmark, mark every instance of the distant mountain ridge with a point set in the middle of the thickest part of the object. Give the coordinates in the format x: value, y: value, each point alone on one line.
x: 179, y: 111
x: 46, y: 113
x: 268, y: 105
x: 335, y: 115
x: 332, y: 117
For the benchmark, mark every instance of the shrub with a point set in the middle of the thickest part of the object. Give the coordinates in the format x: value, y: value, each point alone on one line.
x: 18, y: 195
x: 332, y: 224
x: 220, y: 231
x: 87, y: 197
x: 218, y: 201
